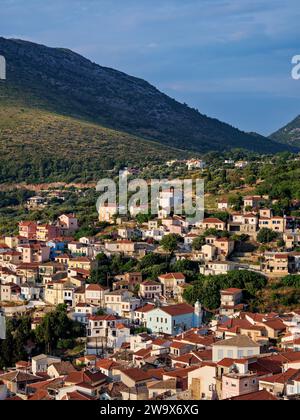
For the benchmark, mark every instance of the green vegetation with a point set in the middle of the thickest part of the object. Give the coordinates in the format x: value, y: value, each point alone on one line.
x: 39, y: 146
x: 56, y: 332
x: 266, y: 236
x: 170, y: 242
x: 63, y: 117
x: 207, y: 289
x: 290, y: 134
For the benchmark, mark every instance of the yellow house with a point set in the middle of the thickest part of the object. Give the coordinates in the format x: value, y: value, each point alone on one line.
x: 276, y: 223
x: 83, y: 263
x: 60, y: 292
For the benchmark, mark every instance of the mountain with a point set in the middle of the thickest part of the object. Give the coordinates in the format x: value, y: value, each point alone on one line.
x: 56, y: 104
x: 290, y: 134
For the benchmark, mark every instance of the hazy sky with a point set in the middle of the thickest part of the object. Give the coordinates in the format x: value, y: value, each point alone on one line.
x: 231, y: 59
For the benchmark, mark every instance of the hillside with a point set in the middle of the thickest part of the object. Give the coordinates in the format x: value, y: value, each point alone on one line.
x: 39, y: 145
x: 60, y: 81
x: 290, y: 134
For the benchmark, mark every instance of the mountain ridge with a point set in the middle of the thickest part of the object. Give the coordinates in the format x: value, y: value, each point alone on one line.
x: 61, y: 81
x: 289, y: 134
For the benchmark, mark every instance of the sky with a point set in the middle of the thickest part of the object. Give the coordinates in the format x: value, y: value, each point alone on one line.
x: 231, y: 59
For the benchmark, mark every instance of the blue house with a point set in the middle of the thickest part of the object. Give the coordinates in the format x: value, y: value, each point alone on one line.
x: 57, y: 247
x: 174, y: 319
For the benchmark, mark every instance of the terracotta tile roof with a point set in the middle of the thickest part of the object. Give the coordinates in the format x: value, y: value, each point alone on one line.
x: 78, y: 396
x: 103, y: 318
x: 63, y: 368
x: 212, y: 220
x: 276, y: 324
x: 138, y: 375
x: 180, y: 373
x: 145, y: 308
x: 170, y: 276
x: 176, y: 310
x: 143, y: 352
x: 19, y: 376
x: 238, y: 341
x: 282, y: 378
x: 85, y: 376
x: 231, y: 291
x: 255, y: 396
x: 226, y: 362
x: 107, y: 364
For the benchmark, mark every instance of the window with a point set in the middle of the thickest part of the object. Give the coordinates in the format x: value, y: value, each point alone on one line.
x: 230, y: 354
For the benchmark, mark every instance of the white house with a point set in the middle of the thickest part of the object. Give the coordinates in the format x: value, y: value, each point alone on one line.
x: 237, y: 347
x: 174, y: 319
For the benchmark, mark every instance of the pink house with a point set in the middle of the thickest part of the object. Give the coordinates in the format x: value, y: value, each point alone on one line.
x: 239, y: 380
x: 28, y: 230
x: 35, y: 253
x: 68, y: 224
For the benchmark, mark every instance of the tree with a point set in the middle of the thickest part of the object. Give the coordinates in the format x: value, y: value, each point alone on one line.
x: 198, y: 243
x: 207, y: 289
x: 56, y: 327
x: 266, y: 236
x: 170, y: 242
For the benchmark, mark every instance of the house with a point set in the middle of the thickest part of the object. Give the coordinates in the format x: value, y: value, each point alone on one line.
x: 140, y: 313
x: 68, y: 224
x: 277, y: 384
x: 121, y: 302
x: 83, y: 263
x: 157, y: 388
x: 215, y: 268
x: 59, y: 369
x: 98, y: 325
x: 170, y: 198
x: 83, y: 311
x: 10, y: 292
x: 32, y: 253
x: 135, y: 377
x: 230, y: 299
x: 174, y: 319
x: 128, y: 281
x: 195, y: 164
x: 40, y: 363
x: 237, y: 347
x: 224, y: 246
x: 239, y: 380
x: 36, y: 203
x: 125, y: 247
x: 179, y: 348
x: 60, y: 292
x: 202, y: 382
x: 276, y: 263
x: 91, y: 380
x: 150, y: 290
x: 170, y: 283
x: 95, y: 293
x: 118, y: 336
x: 241, y: 164
x: 275, y: 223
x: 46, y: 232
x: 107, y: 213
x: 30, y: 292
x: 28, y: 229
x: 255, y: 396
x: 244, y: 224
x: 181, y: 376
x: 212, y: 223
x: 16, y: 381
x: 253, y: 201
x: 223, y: 204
